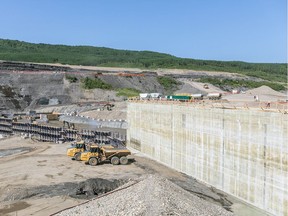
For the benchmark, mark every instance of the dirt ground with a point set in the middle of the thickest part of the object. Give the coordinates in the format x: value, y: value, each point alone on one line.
x: 42, y: 180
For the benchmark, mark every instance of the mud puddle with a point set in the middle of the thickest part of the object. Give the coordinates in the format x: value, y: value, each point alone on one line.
x: 79, y: 190
x: 7, y: 152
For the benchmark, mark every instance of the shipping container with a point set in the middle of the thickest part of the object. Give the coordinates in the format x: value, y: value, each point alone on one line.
x: 183, y: 94
x: 179, y: 97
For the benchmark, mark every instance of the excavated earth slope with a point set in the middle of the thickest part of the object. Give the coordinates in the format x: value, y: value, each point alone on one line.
x: 19, y: 91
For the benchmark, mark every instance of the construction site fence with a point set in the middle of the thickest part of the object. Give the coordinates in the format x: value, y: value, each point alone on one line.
x: 57, y: 134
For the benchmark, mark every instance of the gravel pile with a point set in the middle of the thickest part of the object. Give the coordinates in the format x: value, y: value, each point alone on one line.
x: 151, y: 196
x: 265, y: 90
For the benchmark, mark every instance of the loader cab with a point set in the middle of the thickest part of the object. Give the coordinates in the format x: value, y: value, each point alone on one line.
x: 75, y: 148
x: 80, y: 146
x: 94, y: 152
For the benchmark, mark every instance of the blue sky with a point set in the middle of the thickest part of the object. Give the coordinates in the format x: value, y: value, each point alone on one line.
x: 244, y: 30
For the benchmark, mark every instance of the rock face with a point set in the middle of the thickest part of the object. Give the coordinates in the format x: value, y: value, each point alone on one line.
x: 18, y: 91
x: 152, y: 196
x: 21, y: 90
x: 28, y: 85
x: 12, y: 66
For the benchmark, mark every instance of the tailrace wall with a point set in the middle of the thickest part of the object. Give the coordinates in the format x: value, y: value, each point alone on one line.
x: 242, y: 152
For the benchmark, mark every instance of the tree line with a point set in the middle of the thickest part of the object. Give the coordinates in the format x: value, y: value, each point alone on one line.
x: 13, y: 50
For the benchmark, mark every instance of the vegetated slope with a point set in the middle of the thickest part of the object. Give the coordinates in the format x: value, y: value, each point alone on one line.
x: 13, y: 50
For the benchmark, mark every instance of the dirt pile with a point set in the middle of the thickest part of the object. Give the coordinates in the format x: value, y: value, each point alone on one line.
x: 265, y: 90
x: 153, y: 195
x: 83, y: 190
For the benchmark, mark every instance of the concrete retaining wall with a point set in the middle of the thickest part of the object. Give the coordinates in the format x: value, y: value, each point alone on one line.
x: 242, y: 152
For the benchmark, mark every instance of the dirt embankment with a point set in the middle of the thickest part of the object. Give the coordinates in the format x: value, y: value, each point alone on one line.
x: 19, y: 90
x: 28, y: 85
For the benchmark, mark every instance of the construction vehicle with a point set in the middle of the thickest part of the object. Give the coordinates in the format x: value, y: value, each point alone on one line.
x: 214, y: 96
x: 98, y: 154
x: 197, y: 96
x: 108, y: 106
x: 75, y: 150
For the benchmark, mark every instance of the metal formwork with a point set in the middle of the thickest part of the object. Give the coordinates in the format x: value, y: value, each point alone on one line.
x: 48, y: 133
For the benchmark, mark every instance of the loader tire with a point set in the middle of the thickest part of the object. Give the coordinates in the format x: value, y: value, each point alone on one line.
x: 93, y: 161
x: 77, y: 156
x: 123, y: 160
x: 115, y: 160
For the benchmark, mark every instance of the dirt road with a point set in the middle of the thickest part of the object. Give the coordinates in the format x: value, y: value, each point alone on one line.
x: 46, y: 165
x: 42, y: 180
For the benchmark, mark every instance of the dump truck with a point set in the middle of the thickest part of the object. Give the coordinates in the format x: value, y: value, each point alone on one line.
x: 98, y: 154
x: 75, y: 150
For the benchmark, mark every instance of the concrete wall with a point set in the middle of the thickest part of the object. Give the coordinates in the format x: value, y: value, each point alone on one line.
x: 242, y: 152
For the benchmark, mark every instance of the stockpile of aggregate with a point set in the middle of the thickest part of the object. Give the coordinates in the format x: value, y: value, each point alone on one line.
x: 152, y: 196
x: 265, y: 90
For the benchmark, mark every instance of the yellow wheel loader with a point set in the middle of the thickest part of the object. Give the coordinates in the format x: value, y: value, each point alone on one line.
x: 75, y: 151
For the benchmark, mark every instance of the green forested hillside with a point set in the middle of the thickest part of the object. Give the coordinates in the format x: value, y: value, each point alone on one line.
x: 99, y: 56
